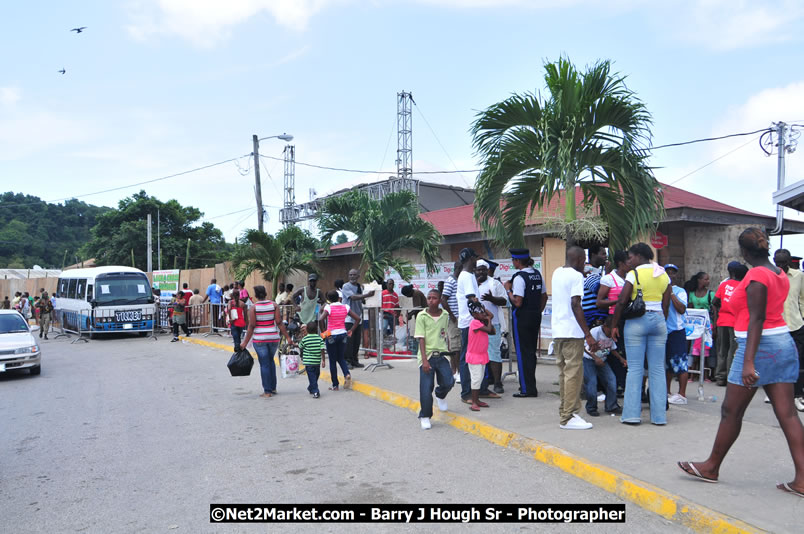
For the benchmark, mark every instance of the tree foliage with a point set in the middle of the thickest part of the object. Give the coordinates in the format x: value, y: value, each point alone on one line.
x: 589, y: 131
x: 33, y: 232
x: 383, y: 228
x: 119, y: 231
x: 341, y: 238
x: 275, y: 257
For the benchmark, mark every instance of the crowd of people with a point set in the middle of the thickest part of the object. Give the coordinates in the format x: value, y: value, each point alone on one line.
x: 39, y: 308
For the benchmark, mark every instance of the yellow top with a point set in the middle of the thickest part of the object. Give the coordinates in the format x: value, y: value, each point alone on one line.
x: 653, y: 288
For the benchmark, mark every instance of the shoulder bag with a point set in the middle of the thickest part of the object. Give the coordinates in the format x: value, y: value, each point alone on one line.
x: 635, y: 308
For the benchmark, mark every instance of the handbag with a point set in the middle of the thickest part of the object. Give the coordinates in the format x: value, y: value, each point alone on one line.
x: 635, y: 308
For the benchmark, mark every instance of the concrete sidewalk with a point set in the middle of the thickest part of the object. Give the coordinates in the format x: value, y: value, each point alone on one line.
x: 648, y: 453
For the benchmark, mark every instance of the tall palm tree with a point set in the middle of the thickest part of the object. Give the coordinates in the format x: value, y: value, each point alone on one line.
x: 275, y: 257
x: 383, y: 227
x: 590, y: 132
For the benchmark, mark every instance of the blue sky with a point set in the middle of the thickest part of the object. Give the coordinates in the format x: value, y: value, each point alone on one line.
x: 155, y: 87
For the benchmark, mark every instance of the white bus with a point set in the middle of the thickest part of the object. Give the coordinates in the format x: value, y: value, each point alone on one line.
x: 106, y: 299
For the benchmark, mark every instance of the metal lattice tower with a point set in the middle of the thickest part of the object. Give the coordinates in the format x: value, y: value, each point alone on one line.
x: 290, y: 184
x: 404, y: 134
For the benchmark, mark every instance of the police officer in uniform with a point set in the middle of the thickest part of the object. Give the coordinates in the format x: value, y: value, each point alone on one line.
x: 528, y: 295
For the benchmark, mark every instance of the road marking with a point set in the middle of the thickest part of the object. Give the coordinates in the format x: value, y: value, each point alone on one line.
x: 650, y: 497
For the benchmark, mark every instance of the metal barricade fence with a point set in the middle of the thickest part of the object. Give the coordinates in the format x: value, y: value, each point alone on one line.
x: 57, y: 320
x: 198, y: 317
x: 85, y: 322
x: 217, y: 319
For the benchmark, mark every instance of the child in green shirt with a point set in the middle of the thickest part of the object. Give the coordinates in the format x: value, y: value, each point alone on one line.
x: 431, y: 331
x: 313, y: 356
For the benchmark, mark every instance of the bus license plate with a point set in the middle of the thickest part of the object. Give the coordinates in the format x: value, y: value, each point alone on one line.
x: 128, y: 326
x: 127, y: 316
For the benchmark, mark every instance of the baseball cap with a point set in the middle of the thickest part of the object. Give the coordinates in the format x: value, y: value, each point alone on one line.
x: 467, y: 253
x: 312, y: 276
x: 734, y: 265
x: 482, y: 263
x: 671, y: 266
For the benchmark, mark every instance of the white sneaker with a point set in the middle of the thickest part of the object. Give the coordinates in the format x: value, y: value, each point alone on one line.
x: 767, y: 400
x: 799, y: 402
x: 577, y: 423
x: 425, y: 422
x: 601, y: 397
x: 677, y: 399
x: 442, y: 404
x: 457, y: 377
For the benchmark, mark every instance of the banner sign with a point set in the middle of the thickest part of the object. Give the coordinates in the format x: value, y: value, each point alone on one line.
x: 166, y: 280
x: 697, y: 324
x: 422, y: 281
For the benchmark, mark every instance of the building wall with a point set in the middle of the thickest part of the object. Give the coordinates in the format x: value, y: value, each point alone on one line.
x: 710, y: 249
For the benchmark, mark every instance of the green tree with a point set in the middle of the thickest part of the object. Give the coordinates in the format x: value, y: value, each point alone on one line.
x: 118, y: 231
x: 275, y: 257
x: 589, y: 131
x: 383, y: 227
x: 34, y: 232
x: 341, y: 238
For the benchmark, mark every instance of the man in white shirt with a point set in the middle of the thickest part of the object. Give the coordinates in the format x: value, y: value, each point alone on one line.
x: 569, y: 332
x: 468, y: 291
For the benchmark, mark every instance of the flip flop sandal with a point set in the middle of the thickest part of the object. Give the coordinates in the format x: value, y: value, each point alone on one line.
x: 474, y: 408
x: 347, y: 382
x: 333, y: 388
x: 695, y: 473
x: 787, y: 488
x: 489, y: 395
x: 266, y: 395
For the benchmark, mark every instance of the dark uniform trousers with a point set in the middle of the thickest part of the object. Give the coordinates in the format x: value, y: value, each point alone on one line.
x: 527, y: 324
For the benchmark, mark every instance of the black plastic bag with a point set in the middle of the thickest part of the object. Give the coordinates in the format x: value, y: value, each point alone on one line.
x: 240, y: 363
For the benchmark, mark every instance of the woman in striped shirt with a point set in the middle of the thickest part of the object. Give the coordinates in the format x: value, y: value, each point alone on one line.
x: 264, y: 327
x: 335, y: 315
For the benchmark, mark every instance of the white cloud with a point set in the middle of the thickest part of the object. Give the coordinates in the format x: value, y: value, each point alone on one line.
x: 746, y: 177
x: 9, y: 96
x: 732, y: 24
x: 205, y: 22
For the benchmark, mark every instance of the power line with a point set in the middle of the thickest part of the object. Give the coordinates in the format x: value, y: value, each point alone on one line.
x: 713, y: 161
x: 161, y: 178
x: 362, y: 171
x: 421, y: 114
x: 705, y: 139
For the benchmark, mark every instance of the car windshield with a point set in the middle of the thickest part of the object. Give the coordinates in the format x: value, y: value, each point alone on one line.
x: 11, y: 323
x: 122, y: 289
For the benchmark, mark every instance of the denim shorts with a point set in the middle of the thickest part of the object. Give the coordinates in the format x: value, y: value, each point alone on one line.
x: 776, y: 360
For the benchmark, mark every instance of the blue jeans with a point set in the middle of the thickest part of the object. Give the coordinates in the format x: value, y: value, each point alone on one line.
x: 237, y: 334
x: 463, y: 370
x: 265, y: 354
x: 336, y: 349
x: 440, y: 370
x: 313, y: 372
x: 591, y: 374
x: 645, y: 336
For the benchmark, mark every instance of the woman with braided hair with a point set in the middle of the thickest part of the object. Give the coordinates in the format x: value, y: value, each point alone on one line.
x: 766, y: 356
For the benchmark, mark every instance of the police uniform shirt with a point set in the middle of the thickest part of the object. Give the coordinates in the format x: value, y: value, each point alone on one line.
x: 519, y: 283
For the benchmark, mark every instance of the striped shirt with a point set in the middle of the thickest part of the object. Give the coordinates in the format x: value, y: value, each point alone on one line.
x: 311, y: 346
x: 390, y: 300
x: 265, y: 330
x: 451, y: 292
x: 589, y: 301
x: 336, y: 318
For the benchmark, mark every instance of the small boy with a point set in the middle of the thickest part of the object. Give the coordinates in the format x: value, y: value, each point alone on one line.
x: 431, y: 331
x: 313, y: 356
x: 477, y: 349
x: 595, y: 368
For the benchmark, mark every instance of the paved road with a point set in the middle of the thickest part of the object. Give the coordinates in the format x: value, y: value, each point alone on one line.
x: 130, y: 435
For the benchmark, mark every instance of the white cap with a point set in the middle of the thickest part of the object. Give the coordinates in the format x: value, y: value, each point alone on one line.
x: 482, y: 263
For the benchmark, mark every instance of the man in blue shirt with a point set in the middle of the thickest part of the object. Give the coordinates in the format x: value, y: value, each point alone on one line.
x: 214, y: 295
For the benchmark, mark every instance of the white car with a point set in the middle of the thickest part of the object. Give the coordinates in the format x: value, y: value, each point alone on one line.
x: 18, y: 346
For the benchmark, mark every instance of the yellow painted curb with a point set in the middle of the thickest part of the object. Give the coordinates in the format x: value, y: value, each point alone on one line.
x: 647, y: 496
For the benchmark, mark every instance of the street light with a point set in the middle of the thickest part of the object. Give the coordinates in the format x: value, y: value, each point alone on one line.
x: 258, y: 189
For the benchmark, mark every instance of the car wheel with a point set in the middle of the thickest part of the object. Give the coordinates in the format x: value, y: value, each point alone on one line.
x: 36, y: 370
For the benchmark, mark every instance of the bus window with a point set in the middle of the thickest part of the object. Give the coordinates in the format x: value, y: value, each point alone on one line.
x: 62, y: 287
x: 71, y: 288
x: 80, y: 290
x: 90, y: 295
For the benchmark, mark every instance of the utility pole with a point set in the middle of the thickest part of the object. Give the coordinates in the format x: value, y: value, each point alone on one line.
x: 781, y: 130
x: 150, y: 247
x: 404, y: 132
x: 158, y: 242
x: 187, y: 256
x: 290, y: 181
x: 258, y: 186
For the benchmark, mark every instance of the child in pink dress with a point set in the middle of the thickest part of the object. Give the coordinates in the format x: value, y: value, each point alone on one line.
x: 477, y: 349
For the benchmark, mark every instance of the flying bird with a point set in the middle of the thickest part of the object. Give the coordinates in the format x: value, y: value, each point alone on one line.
x: 79, y: 30
x: 62, y: 70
